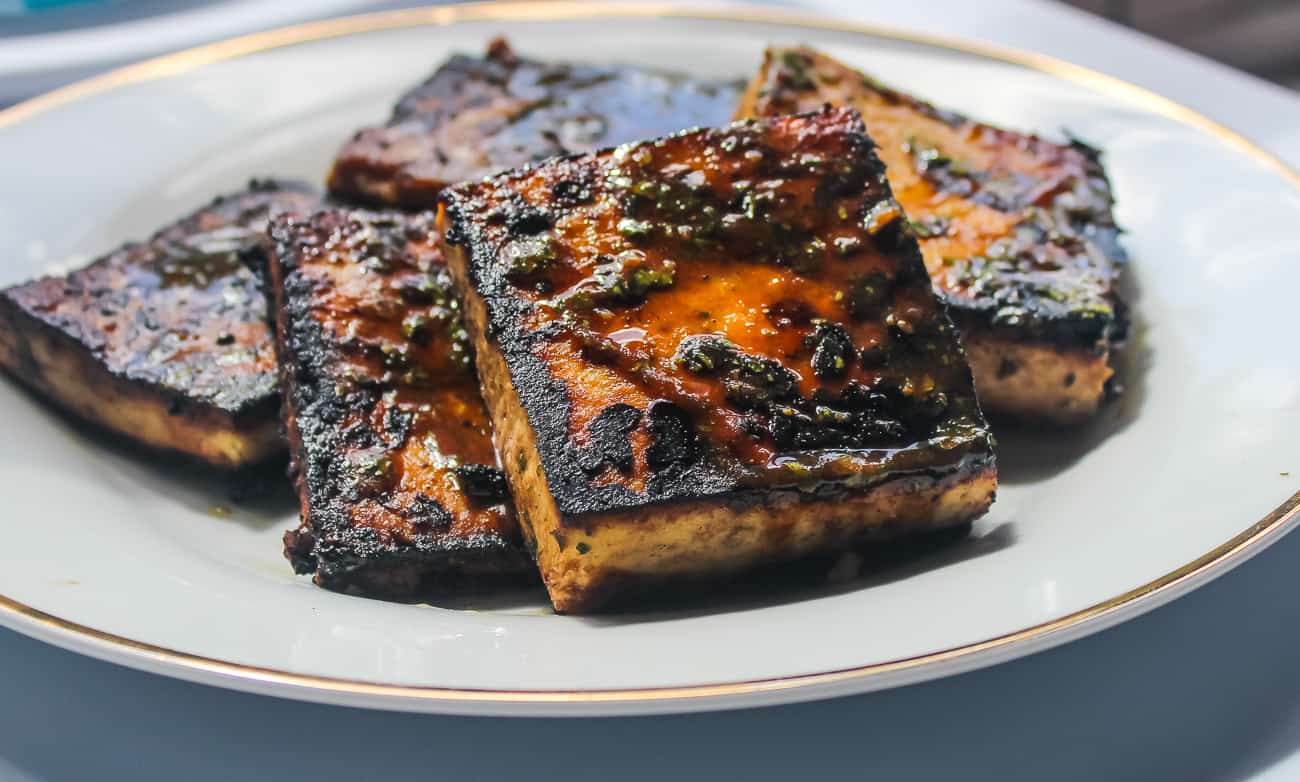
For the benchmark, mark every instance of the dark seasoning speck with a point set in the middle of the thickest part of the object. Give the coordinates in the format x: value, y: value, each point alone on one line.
x: 852, y: 371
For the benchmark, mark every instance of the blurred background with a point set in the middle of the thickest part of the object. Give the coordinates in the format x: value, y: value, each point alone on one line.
x: 45, y: 43
x: 1260, y: 36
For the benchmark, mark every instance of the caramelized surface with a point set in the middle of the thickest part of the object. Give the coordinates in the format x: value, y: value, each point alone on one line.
x: 177, y: 323
x: 180, y: 311
x: 717, y: 310
x: 399, y: 482
x: 1017, y: 232
x: 477, y: 116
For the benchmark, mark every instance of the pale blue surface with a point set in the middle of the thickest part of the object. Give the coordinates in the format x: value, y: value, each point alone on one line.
x: 1206, y: 688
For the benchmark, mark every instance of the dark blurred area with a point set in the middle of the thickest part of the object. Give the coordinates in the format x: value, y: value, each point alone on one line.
x: 47, y: 43
x: 1259, y: 36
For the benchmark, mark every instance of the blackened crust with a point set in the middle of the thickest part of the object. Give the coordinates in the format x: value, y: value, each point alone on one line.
x: 185, y: 286
x: 1049, y: 276
x: 164, y: 341
x: 490, y: 222
x: 377, y: 421
x: 479, y: 115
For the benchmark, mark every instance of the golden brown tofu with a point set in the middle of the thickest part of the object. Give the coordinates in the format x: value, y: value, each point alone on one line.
x: 163, y: 342
x: 1017, y: 233
x: 480, y: 115
x: 712, y: 351
x: 392, y: 453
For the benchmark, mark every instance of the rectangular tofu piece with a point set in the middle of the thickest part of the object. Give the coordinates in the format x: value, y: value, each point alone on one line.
x: 479, y: 115
x: 1017, y: 233
x: 163, y: 342
x: 712, y: 351
x: 392, y: 453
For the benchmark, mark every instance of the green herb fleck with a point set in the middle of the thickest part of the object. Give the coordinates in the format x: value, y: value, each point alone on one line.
x: 525, y: 256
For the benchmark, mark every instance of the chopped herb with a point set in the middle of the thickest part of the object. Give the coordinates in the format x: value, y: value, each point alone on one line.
x: 526, y: 256
x: 832, y: 351
x: 635, y: 229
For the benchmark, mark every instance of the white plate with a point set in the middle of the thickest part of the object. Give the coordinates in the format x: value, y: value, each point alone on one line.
x: 1184, y: 477
x: 53, y: 46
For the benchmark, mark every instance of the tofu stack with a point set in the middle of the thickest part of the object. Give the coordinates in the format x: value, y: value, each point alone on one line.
x: 399, y: 485
x: 711, y: 351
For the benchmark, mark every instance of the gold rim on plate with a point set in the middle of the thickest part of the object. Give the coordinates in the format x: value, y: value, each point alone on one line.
x: 55, y: 629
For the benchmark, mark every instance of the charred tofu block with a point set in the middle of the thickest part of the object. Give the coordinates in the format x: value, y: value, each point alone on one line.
x: 392, y: 452
x: 477, y: 116
x: 164, y: 342
x: 712, y: 351
x: 1017, y: 234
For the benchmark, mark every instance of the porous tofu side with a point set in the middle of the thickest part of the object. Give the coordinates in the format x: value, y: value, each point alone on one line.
x: 710, y: 351
x: 1017, y: 232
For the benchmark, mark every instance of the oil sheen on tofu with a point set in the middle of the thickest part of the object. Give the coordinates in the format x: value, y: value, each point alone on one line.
x: 400, y: 490
x: 165, y: 342
x: 480, y: 115
x: 710, y: 351
x: 1017, y: 233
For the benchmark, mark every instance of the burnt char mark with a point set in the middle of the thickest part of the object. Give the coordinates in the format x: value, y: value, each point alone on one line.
x: 1018, y: 232
x: 674, y: 441
x: 179, y: 314
x: 608, y: 442
x: 484, y: 483
x: 480, y: 115
x: 395, y: 465
x: 659, y: 398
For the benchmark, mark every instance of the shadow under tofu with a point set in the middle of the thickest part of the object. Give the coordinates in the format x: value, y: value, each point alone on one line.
x: 1028, y: 453
x: 810, y: 578
x: 520, y: 596
x: 262, y: 492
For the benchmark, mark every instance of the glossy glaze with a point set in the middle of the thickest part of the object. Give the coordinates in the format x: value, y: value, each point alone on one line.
x: 181, y: 311
x: 480, y: 115
x: 392, y: 447
x: 746, y: 298
x: 1017, y: 231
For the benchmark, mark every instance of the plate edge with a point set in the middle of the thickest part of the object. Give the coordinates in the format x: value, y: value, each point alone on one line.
x: 103, y: 645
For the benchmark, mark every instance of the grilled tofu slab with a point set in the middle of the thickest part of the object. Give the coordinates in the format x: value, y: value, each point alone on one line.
x: 1017, y: 233
x: 480, y: 115
x: 392, y: 452
x: 163, y: 342
x: 711, y: 351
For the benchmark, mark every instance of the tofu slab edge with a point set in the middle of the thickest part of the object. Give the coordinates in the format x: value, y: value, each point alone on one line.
x: 591, y: 562
x: 596, y: 542
x: 1041, y: 352
x: 162, y: 343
